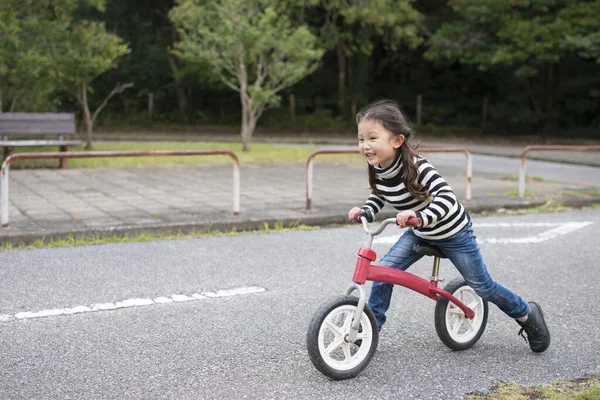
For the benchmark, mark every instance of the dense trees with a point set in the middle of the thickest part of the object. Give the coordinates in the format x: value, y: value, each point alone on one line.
x: 530, y: 38
x: 533, y: 66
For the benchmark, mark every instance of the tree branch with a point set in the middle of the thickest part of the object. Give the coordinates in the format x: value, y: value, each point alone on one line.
x: 120, y: 88
x: 228, y: 83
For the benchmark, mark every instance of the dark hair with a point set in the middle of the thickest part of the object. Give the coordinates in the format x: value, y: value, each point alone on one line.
x: 389, y: 115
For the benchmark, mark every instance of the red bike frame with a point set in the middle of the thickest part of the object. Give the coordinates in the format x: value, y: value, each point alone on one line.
x: 365, y: 271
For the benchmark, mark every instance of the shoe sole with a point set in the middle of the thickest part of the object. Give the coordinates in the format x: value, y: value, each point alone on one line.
x: 546, y: 325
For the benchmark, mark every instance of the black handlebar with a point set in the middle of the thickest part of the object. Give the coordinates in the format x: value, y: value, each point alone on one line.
x: 368, y: 214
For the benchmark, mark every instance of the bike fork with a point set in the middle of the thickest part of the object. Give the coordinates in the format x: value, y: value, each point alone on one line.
x: 362, y: 300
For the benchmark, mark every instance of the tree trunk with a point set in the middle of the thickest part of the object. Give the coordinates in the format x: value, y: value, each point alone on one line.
x: 13, y: 104
x: 87, y: 117
x: 536, y: 126
x: 248, y: 128
x: 177, y: 83
x: 221, y: 110
x: 341, y: 59
x: 292, y: 100
x: 244, y: 128
x: 419, y: 109
x: 150, y: 106
x: 484, y: 114
x: 361, y: 91
x: 245, y: 101
x: 551, y: 98
x: 179, y: 89
x: 352, y: 84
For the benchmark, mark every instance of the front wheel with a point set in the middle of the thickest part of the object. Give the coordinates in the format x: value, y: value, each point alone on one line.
x: 327, y: 339
x: 454, y: 329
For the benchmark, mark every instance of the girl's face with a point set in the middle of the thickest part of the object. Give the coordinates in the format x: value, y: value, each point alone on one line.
x: 377, y: 144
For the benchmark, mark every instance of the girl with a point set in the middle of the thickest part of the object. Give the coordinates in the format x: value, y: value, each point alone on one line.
x: 413, y: 186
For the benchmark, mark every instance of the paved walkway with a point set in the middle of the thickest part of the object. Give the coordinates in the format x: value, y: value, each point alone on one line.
x: 55, y: 203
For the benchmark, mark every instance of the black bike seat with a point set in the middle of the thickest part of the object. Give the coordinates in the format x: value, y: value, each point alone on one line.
x: 427, y: 250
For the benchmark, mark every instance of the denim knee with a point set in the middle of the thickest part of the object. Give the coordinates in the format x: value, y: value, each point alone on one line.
x: 486, y: 290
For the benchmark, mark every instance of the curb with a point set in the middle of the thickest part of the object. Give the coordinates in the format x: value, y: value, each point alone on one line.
x: 254, y: 224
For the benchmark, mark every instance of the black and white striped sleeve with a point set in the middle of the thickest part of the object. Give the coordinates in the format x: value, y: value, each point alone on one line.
x: 443, y: 200
x: 374, y: 203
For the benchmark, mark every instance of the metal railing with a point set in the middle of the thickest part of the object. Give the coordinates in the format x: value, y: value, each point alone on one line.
x: 98, y: 154
x: 354, y: 150
x: 527, y: 149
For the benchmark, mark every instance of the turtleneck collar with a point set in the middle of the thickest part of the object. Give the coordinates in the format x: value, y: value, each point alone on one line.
x: 392, y: 170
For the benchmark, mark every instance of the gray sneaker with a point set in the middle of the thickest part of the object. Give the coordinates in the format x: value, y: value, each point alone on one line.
x: 538, y: 335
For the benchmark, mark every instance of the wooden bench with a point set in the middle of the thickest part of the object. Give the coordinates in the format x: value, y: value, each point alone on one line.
x: 23, y: 126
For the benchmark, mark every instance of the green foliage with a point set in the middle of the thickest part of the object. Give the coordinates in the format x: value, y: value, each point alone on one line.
x: 584, y: 35
x: 239, y: 37
x: 528, y: 37
x: 27, y: 75
x: 358, y: 23
x: 252, y: 49
x: 523, y: 34
x: 86, y: 51
x: 45, y: 49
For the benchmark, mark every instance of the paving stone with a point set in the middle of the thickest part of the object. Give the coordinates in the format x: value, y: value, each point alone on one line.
x: 52, y: 200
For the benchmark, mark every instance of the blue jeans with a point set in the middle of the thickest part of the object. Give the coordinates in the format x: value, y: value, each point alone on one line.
x: 463, y: 251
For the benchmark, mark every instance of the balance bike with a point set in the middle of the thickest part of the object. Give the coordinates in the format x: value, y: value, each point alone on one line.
x: 343, y: 334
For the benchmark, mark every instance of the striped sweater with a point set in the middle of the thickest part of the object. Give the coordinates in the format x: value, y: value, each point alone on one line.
x: 442, y: 214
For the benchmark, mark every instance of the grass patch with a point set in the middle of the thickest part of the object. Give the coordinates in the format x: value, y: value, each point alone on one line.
x: 261, y: 153
x: 580, y: 389
x: 530, y: 178
x: 584, y: 193
x: 548, y: 207
x: 70, y: 240
x: 515, y: 193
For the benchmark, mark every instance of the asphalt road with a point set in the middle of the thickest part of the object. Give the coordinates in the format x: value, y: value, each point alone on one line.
x: 252, y: 345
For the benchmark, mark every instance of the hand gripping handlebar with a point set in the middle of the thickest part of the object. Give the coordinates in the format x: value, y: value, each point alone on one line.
x: 367, y: 216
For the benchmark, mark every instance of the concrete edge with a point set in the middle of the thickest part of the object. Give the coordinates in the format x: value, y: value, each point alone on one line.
x: 250, y: 225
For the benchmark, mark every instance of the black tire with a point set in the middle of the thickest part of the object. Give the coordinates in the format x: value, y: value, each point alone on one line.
x: 446, y: 312
x: 361, y: 352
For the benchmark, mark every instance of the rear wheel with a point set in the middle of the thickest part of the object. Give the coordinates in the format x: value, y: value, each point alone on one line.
x: 454, y: 329
x: 327, y: 339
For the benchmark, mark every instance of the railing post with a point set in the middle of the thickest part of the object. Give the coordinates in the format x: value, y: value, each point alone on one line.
x: 522, y: 173
x: 309, y: 181
x: 550, y: 147
x: 469, y: 175
x: 4, y: 189
x: 236, y: 187
x: 309, y: 169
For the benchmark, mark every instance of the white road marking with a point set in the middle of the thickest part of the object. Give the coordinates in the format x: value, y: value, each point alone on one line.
x: 560, y: 228
x: 130, y: 303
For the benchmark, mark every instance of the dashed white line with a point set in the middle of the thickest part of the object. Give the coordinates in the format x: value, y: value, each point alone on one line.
x: 136, y: 302
x: 561, y: 228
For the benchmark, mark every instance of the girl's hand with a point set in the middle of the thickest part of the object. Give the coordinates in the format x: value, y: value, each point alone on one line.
x: 403, y: 217
x: 354, y: 214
